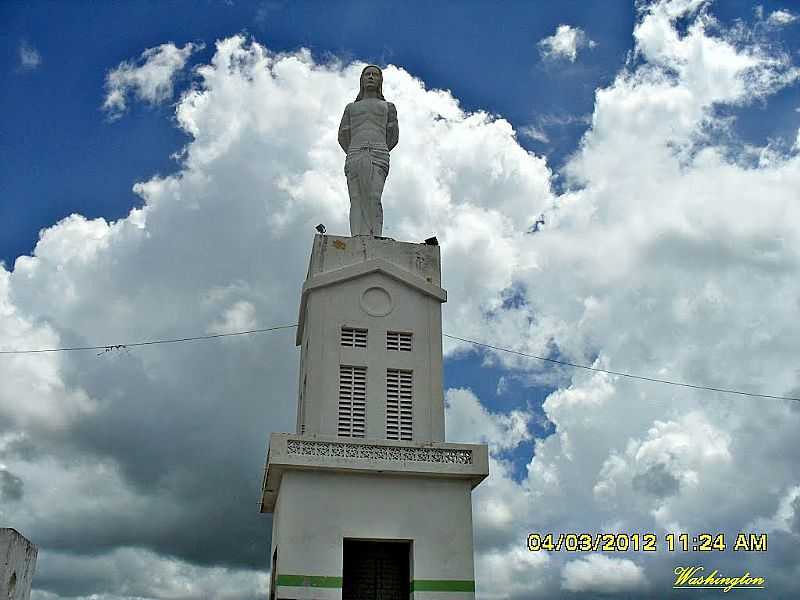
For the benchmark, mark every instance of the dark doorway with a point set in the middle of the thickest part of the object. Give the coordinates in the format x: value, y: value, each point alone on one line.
x: 376, y: 570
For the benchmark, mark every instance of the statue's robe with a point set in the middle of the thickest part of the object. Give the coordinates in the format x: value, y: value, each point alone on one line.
x: 367, y: 133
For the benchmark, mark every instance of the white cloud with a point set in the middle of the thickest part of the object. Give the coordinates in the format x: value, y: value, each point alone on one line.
x: 117, y: 577
x: 780, y: 18
x: 468, y: 419
x: 535, y: 133
x: 666, y: 257
x: 149, y: 79
x: 52, y: 405
x: 565, y: 43
x: 669, y: 464
x: 29, y: 57
x: 221, y: 246
x: 511, y: 573
x: 600, y: 573
x: 787, y: 513
x: 240, y: 316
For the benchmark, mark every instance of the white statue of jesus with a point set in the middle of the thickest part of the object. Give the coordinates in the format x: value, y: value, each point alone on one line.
x: 367, y: 133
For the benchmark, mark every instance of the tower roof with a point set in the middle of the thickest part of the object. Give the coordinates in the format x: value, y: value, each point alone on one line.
x: 353, y: 271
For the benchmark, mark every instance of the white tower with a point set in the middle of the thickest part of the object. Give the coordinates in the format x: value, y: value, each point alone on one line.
x: 17, y: 564
x: 368, y: 501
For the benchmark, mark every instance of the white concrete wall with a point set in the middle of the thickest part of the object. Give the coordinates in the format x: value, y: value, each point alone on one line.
x: 317, y: 510
x: 328, y: 310
x: 319, y: 505
x: 17, y: 565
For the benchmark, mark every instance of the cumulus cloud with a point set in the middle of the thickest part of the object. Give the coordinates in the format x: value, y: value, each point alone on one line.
x: 240, y: 316
x: 29, y: 57
x: 786, y: 517
x: 170, y: 439
x: 599, y: 573
x: 779, y: 18
x: 647, y: 265
x: 670, y: 460
x: 468, y: 419
x: 150, y: 78
x: 119, y: 573
x: 512, y: 574
x: 565, y: 43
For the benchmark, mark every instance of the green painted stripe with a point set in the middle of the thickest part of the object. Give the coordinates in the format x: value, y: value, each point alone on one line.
x: 318, y: 581
x: 442, y: 585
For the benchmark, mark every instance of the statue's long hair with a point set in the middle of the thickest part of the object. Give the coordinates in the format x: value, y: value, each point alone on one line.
x: 361, y: 84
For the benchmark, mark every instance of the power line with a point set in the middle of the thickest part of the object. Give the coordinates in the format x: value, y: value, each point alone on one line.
x: 630, y: 376
x: 110, y: 347
x: 149, y: 343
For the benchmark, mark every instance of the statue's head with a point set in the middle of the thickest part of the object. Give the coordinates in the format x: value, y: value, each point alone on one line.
x: 371, y: 78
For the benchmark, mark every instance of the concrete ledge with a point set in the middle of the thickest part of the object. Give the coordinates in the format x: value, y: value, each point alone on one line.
x: 354, y: 455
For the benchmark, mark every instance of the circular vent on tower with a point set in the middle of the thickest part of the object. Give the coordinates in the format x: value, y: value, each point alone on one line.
x: 376, y: 301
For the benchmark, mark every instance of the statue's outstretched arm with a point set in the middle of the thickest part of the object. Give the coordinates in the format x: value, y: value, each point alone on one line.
x: 392, y: 128
x: 344, y: 130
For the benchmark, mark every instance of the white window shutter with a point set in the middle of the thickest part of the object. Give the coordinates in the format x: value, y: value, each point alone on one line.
x: 398, y: 340
x: 399, y: 404
x: 352, y: 401
x: 354, y: 338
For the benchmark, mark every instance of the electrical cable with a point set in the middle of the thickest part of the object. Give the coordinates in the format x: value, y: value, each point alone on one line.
x: 110, y: 347
x: 629, y: 375
x: 149, y: 343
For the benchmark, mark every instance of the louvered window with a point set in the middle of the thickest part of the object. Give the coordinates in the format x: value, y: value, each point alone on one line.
x: 354, y: 338
x: 352, y: 401
x: 399, y: 394
x: 398, y: 340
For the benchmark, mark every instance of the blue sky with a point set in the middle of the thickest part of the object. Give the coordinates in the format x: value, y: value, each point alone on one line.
x: 683, y: 187
x: 63, y: 157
